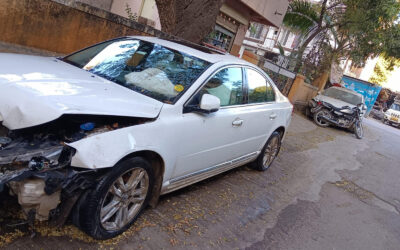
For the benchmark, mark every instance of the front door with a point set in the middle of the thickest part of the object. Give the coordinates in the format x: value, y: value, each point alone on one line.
x: 212, y: 139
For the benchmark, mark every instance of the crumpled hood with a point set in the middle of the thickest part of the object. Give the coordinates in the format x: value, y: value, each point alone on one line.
x: 335, y: 102
x: 36, y: 90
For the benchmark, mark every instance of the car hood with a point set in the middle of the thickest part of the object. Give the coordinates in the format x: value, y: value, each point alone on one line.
x: 392, y: 112
x: 335, y: 102
x: 35, y: 90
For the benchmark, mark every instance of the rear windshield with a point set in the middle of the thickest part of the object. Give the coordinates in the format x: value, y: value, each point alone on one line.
x: 148, y: 68
x: 343, y: 96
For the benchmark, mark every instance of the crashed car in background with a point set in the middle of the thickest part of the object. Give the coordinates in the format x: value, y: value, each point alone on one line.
x: 339, y: 107
x: 103, y: 132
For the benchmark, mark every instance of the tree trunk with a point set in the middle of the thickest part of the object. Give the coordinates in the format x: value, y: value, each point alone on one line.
x: 191, y: 20
x: 320, y: 82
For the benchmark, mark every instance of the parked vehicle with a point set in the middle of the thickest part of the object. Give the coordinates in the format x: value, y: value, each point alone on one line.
x: 377, y: 113
x: 103, y: 132
x: 339, y: 107
x: 392, y: 115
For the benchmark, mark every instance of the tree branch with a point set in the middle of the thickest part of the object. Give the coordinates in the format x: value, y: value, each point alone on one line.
x: 323, y: 10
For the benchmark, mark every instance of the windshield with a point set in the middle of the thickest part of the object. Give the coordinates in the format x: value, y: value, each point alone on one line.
x: 150, y: 69
x: 343, y: 96
x: 395, y: 106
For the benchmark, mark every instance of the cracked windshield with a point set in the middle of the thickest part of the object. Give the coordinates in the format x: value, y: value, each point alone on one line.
x: 148, y: 68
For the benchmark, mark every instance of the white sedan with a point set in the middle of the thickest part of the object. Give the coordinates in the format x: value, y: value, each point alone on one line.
x: 100, y: 134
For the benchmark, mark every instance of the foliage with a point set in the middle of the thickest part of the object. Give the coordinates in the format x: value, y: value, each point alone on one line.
x: 355, y: 29
x: 368, y: 26
x: 281, y: 49
x: 302, y: 15
x: 383, y: 70
x: 252, y: 28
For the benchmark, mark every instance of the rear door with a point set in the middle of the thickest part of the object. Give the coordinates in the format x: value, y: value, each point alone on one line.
x: 261, y: 103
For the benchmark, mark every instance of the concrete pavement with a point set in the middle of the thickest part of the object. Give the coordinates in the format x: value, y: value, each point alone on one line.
x: 326, y: 190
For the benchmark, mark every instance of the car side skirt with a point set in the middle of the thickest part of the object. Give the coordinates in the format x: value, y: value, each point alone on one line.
x: 186, y: 180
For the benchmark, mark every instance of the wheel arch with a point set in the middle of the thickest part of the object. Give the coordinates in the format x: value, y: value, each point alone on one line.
x: 158, y: 165
x: 281, y: 130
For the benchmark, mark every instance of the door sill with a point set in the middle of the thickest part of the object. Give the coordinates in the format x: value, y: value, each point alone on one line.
x: 188, y: 179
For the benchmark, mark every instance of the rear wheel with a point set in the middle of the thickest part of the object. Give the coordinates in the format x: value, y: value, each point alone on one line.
x: 318, y: 117
x: 268, y: 153
x: 118, y: 199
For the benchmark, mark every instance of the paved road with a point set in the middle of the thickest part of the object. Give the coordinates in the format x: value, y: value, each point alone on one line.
x: 379, y: 125
x: 327, y: 190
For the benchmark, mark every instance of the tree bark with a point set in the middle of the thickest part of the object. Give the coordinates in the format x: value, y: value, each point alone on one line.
x: 320, y: 82
x: 191, y: 20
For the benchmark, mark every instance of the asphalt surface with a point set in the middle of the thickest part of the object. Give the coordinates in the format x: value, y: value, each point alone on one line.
x: 326, y: 190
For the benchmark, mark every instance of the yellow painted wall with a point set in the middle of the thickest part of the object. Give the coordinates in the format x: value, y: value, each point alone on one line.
x: 56, y: 27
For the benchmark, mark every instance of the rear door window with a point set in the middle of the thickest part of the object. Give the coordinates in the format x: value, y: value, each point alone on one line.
x: 259, y: 89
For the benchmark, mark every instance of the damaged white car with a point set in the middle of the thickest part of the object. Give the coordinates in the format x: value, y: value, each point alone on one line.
x: 98, y: 135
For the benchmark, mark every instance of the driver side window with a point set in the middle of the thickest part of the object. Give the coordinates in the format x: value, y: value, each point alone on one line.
x: 227, y: 85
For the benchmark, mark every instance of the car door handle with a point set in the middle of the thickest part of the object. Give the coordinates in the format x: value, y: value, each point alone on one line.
x: 237, y: 123
x: 273, y: 116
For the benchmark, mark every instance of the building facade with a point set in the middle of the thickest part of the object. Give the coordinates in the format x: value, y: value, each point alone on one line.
x: 231, y: 25
x: 262, y: 39
x: 235, y: 17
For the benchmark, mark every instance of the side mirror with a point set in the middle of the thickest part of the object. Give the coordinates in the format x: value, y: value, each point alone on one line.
x: 209, y: 103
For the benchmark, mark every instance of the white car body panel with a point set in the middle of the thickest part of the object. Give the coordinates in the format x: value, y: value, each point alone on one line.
x: 32, y: 85
x: 392, y: 115
x: 45, y: 88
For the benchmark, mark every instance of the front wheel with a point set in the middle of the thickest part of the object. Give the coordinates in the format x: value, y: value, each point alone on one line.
x: 318, y: 117
x: 269, y: 152
x: 358, y: 130
x: 117, y: 200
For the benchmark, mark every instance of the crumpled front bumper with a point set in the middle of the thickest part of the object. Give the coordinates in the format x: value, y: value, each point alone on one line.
x: 313, y: 106
x: 38, y: 173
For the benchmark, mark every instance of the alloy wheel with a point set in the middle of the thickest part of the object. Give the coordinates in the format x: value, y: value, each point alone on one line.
x: 270, y: 152
x: 124, y: 199
x: 319, y: 118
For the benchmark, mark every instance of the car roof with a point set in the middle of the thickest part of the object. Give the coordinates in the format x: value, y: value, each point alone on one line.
x: 209, y: 57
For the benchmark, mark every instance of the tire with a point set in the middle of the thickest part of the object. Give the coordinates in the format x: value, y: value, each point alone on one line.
x: 358, y: 130
x: 273, y: 145
x: 308, y: 112
x: 318, y: 120
x: 112, y: 207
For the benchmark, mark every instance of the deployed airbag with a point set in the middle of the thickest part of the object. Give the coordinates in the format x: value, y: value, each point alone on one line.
x: 152, y: 79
